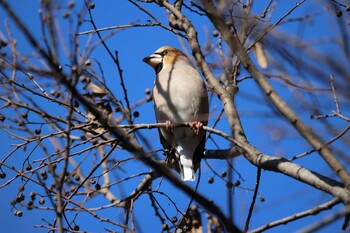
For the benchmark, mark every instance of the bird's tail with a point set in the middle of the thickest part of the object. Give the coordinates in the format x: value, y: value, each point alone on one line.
x: 186, y: 168
x: 185, y: 159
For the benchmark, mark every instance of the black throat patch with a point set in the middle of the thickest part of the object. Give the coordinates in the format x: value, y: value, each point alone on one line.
x: 158, y: 68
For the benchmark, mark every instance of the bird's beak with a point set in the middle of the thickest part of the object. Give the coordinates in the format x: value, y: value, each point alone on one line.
x: 153, y: 60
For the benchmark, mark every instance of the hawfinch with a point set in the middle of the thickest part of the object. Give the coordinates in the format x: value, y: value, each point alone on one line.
x: 179, y: 96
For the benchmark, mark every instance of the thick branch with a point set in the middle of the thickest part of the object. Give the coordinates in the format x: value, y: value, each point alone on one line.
x: 218, y: 20
x: 126, y: 140
x: 272, y: 163
x: 256, y: 157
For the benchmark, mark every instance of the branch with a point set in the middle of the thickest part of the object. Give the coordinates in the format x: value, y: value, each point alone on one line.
x: 326, y: 206
x: 254, y: 156
x: 230, y: 153
x: 251, y: 208
x: 218, y: 20
x: 125, y: 140
x: 272, y: 163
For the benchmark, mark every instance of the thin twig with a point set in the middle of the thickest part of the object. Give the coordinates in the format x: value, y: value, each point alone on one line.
x: 251, y: 208
x: 326, y: 206
x: 331, y: 81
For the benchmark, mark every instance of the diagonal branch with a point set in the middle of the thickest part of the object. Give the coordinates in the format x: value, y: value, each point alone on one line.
x: 127, y: 141
x: 218, y: 20
x: 325, y: 206
x: 254, y: 156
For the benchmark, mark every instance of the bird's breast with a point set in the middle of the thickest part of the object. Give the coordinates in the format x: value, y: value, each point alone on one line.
x: 177, y: 95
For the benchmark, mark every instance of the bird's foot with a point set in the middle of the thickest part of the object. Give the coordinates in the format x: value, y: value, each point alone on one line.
x: 196, y: 126
x: 169, y: 126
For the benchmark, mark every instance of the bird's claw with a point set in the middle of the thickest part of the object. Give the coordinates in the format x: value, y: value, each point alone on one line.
x: 169, y: 126
x: 196, y: 126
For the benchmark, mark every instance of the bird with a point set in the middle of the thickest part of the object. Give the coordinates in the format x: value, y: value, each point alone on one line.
x: 179, y: 95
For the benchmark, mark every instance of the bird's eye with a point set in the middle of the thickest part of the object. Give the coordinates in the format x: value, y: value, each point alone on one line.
x: 165, y: 52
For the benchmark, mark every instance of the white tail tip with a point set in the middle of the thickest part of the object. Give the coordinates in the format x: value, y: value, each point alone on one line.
x: 186, y: 167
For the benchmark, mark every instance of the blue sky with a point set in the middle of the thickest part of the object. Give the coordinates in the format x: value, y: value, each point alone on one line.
x: 283, y: 196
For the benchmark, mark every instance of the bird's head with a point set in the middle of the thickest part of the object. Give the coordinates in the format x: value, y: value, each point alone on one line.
x: 164, y: 56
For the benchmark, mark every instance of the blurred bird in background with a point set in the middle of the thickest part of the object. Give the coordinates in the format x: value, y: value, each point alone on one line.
x: 179, y: 96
